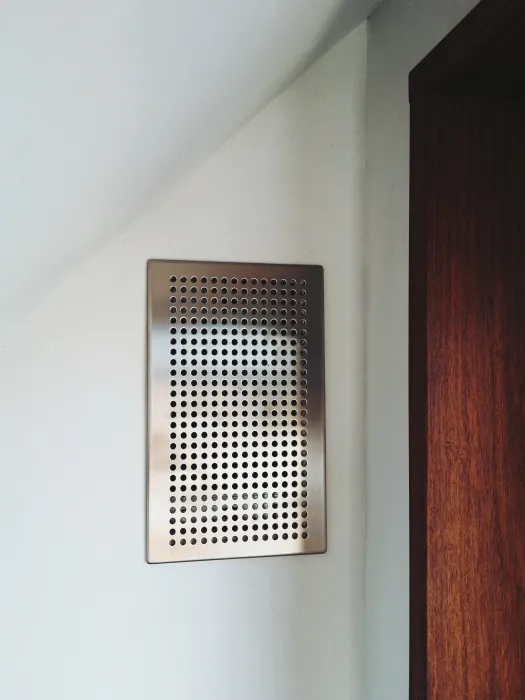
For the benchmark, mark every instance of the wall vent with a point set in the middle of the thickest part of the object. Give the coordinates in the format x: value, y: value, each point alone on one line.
x: 236, y: 444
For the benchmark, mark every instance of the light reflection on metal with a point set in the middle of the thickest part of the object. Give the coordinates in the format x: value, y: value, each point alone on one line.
x: 236, y: 444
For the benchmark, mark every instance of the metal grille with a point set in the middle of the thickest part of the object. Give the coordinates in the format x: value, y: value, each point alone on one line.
x: 235, y: 410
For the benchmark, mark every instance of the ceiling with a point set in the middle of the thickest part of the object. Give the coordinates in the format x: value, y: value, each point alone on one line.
x: 101, y: 100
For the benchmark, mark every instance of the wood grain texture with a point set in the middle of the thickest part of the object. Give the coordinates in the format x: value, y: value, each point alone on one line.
x: 418, y: 397
x: 467, y: 361
x: 469, y: 207
x: 483, y: 54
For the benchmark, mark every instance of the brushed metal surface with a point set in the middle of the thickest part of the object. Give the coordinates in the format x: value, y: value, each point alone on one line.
x: 236, y: 425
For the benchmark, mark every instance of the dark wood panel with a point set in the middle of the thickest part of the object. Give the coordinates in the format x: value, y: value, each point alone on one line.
x: 469, y: 207
x: 418, y: 402
x: 467, y: 361
x: 483, y: 54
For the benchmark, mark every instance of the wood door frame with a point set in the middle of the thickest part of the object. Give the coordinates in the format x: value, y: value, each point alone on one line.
x: 482, y: 56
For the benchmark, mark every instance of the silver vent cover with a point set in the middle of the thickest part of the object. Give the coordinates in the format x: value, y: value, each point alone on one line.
x: 236, y: 446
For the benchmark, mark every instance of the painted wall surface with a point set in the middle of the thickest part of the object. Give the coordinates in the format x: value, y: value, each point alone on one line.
x: 401, y: 33
x: 83, y: 615
x: 103, y: 99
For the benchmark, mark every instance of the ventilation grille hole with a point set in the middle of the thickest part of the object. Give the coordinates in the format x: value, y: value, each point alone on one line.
x: 238, y: 410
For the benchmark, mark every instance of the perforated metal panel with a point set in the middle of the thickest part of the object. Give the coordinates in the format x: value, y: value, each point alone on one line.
x: 235, y: 410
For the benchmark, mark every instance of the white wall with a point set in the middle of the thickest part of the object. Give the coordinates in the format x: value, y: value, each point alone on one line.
x: 84, y: 617
x: 102, y: 99
x: 401, y: 33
